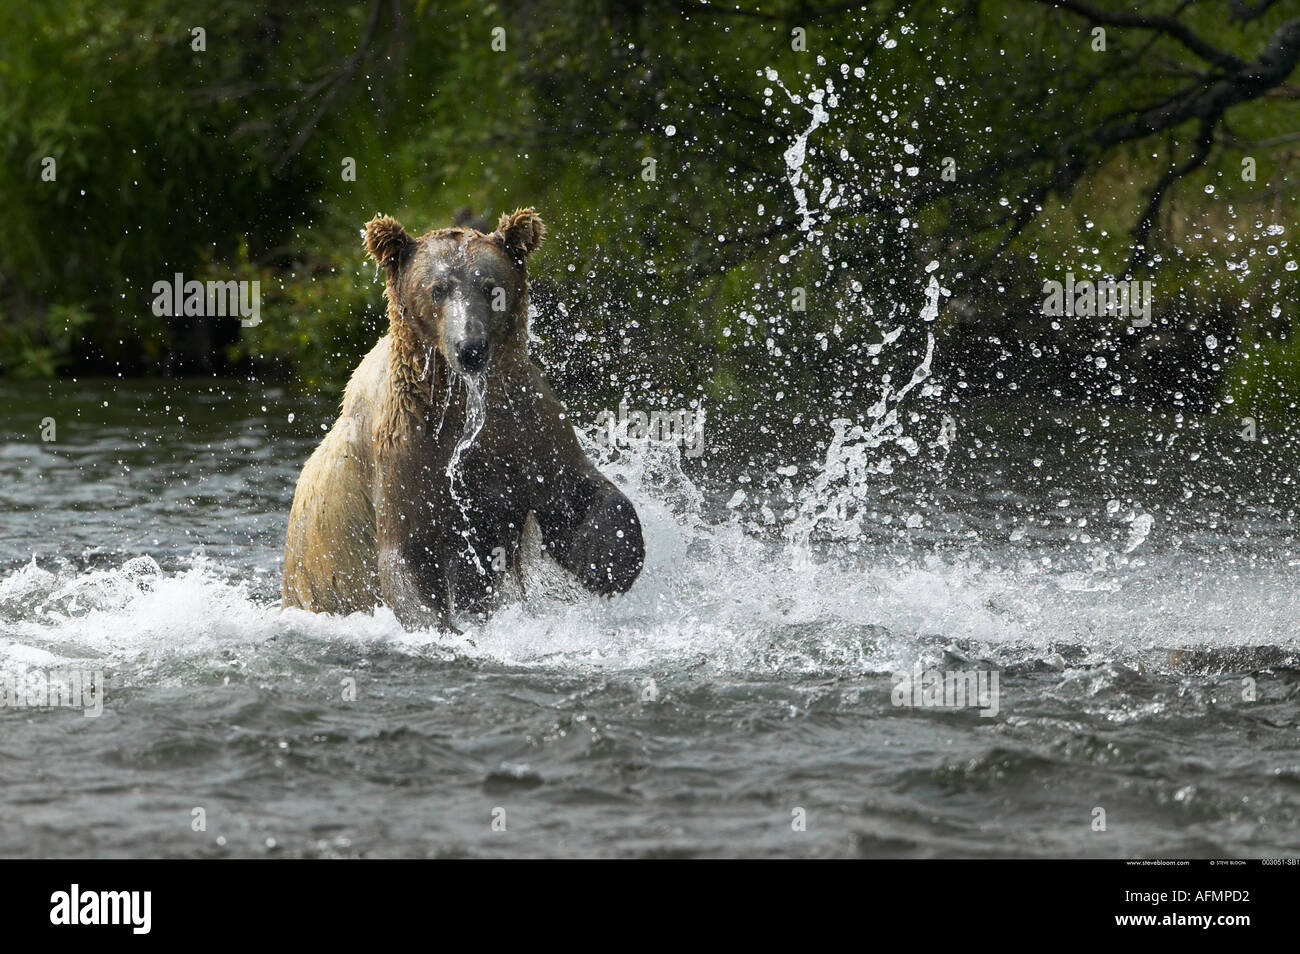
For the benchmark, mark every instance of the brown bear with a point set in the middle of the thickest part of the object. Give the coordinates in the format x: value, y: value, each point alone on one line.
x: 448, y: 445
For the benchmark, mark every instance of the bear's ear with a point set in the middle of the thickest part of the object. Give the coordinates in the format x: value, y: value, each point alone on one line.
x: 387, y: 242
x: 520, y: 232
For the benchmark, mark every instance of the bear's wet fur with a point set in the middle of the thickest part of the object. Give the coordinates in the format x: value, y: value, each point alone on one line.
x: 394, y: 507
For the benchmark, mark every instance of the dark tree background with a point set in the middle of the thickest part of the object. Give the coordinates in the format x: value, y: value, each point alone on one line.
x: 1155, y: 140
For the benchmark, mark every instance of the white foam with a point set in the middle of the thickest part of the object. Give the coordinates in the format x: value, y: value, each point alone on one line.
x: 713, y: 596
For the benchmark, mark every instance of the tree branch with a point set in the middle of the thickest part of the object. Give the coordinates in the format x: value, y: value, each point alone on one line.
x: 336, y: 83
x: 1175, y: 29
x: 1201, y: 152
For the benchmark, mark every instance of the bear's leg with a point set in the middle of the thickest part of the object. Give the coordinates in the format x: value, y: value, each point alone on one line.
x: 595, y: 534
x: 404, y: 585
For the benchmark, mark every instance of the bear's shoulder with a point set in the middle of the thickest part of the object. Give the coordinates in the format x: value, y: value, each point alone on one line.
x: 369, y: 381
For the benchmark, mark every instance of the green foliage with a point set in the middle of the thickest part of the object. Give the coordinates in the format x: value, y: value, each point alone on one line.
x: 227, y: 163
x: 39, y: 346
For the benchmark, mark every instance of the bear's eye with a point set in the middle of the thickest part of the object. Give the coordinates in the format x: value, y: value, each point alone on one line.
x: 438, y: 289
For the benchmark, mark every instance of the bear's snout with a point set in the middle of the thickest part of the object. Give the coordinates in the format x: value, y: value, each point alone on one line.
x: 472, y: 354
x: 467, y: 335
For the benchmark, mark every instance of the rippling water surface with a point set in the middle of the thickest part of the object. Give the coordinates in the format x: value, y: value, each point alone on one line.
x: 1129, y: 577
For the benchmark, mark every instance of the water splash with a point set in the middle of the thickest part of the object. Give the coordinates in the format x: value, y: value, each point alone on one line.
x: 475, y: 418
x: 822, y: 100
x: 834, y: 502
x: 1139, y: 530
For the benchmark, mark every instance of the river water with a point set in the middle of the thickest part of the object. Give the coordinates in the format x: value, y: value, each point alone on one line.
x: 1128, y: 577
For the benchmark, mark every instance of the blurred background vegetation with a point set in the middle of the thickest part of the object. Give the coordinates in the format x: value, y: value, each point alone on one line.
x: 227, y: 162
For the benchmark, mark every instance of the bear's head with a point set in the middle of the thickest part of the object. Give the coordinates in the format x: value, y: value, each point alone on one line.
x: 458, y: 290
